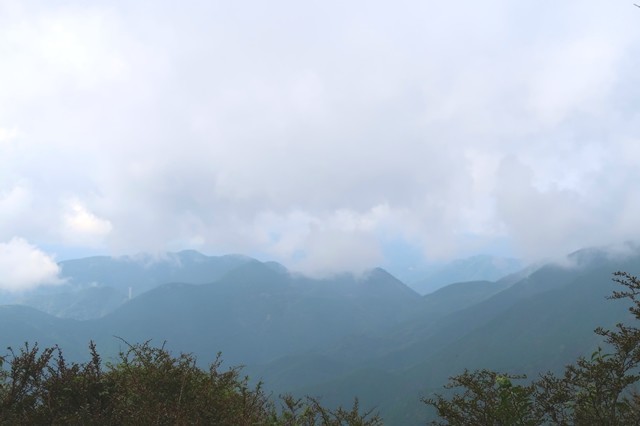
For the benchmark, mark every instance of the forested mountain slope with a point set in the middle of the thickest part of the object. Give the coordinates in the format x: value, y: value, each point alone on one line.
x: 366, y: 335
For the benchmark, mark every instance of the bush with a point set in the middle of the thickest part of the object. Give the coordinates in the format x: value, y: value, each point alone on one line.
x: 146, y: 386
x: 596, y: 390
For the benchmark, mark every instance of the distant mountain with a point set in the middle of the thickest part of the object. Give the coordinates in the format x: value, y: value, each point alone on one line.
x: 95, y: 286
x: 476, y: 268
x: 22, y: 324
x: 377, y: 350
x: 257, y: 313
x: 367, y: 335
x: 539, y: 323
x: 144, y: 272
x: 82, y: 303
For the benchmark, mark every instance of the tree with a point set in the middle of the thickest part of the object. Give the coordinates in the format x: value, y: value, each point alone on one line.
x: 147, y: 385
x: 489, y: 398
x: 596, y: 390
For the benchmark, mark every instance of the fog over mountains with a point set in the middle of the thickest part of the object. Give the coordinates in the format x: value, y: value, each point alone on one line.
x: 326, y: 136
x: 414, y: 187
x: 92, y: 287
x: 366, y: 335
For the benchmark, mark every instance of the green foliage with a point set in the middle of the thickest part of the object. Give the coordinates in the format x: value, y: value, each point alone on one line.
x: 309, y: 411
x: 489, y: 398
x: 146, y: 386
x: 599, y: 389
x: 173, y: 390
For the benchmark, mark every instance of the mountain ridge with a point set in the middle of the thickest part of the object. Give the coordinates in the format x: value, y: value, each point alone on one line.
x: 367, y: 332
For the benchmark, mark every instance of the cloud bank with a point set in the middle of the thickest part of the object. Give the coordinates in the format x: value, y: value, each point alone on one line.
x: 24, y: 267
x: 315, y: 133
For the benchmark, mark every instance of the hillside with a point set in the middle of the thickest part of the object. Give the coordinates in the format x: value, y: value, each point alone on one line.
x: 475, y: 268
x: 366, y: 335
x: 95, y: 286
x: 540, y: 323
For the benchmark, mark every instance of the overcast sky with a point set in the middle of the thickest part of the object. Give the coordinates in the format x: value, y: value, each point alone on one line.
x: 327, y: 135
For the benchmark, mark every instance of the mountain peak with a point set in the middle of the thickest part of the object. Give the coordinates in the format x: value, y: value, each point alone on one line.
x: 381, y: 282
x: 255, y: 271
x: 192, y: 255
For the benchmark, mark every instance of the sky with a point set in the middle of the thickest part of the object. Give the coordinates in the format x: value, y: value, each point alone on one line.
x: 327, y: 135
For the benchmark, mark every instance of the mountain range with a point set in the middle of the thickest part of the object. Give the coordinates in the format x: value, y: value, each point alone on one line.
x: 430, y: 278
x: 365, y: 335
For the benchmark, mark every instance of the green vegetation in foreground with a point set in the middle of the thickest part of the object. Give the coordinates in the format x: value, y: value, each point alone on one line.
x: 147, y: 386
x: 599, y: 390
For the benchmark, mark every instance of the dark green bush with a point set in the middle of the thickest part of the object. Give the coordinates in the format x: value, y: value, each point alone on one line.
x: 147, y: 386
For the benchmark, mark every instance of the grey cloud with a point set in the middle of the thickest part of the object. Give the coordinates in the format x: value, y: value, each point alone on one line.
x: 254, y: 126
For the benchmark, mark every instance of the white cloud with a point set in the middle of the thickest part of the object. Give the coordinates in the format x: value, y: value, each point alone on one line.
x: 330, y: 251
x: 340, y: 241
x: 16, y: 204
x: 24, y: 267
x: 58, y: 50
x: 7, y: 135
x: 82, y: 227
x: 573, y: 77
x: 278, y: 128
